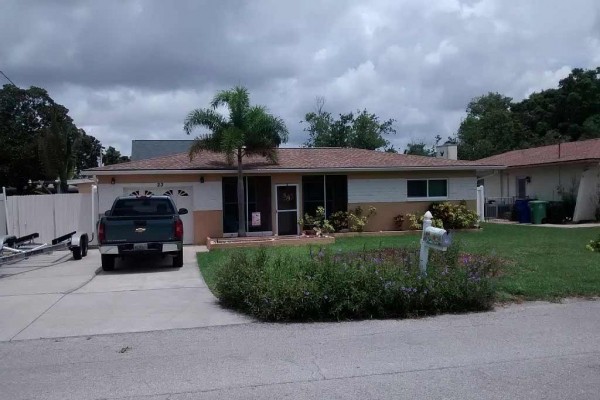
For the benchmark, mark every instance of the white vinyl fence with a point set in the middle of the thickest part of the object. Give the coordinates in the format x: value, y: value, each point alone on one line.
x: 49, y: 215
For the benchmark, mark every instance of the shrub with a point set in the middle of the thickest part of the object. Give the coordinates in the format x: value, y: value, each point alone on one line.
x: 382, y: 283
x: 357, y: 219
x: 318, y: 223
x: 454, y: 216
x: 416, y: 222
x: 594, y: 245
x: 339, y: 220
x: 399, y: 222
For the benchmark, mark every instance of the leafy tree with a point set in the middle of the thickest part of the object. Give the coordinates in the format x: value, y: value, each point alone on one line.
x: 89, y: 151
x: 58, y: 142
x: 113, y: 156
x: 23, y: 116
x: 419, y: 149
x: 249, y: 130
x: 489, y: 128
x: 361, y: 130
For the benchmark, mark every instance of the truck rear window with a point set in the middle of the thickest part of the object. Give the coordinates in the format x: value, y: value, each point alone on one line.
x: 147, y: 206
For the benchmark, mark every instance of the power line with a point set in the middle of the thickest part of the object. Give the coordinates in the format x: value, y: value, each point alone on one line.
x: 7, y: 78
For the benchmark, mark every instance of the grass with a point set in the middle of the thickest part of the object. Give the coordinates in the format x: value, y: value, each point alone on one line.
x: 544, y: 263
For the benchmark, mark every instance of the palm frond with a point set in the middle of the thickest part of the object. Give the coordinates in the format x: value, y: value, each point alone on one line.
x: 207, y: 118
x: 237, y: 101
x: 203, y: 143
x: 231, y: 141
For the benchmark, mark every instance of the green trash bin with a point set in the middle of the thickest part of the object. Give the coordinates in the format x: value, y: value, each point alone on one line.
x: 538, y: 211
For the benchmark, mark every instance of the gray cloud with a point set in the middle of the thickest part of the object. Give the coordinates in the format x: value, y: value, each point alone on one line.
x: 134, y: 69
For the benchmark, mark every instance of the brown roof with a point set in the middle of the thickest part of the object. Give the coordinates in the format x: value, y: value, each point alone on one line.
x: 565, y: 152
x: 296, y: 158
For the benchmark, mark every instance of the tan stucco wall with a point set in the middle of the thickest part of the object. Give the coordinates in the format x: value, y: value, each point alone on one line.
x: 158, y: 178
x: 207, y: 224
x: 383, y: 220
x: 85, y: 188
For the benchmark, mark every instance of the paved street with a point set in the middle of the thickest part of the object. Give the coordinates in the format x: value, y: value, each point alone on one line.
x: 531, y: 351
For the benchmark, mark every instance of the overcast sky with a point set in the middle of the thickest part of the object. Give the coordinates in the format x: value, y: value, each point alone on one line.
x: 134, y: 69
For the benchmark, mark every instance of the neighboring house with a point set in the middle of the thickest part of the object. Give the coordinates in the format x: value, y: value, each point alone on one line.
x: 545, y: 172
x: 144, y: 149
x: 277, y: 195
x: 83, y: 185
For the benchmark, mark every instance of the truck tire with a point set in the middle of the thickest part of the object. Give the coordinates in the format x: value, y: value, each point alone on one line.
x: 108, y: 262
x: 178, y: 259
x: 84, y: 246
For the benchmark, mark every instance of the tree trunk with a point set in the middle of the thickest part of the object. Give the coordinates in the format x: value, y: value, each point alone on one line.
x: 240, y: 197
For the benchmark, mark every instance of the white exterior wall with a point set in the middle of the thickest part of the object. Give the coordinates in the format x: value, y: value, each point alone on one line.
x: 394, y: 190
x: 544, y: 184
x: 205, y: 196
x: 2, y: 216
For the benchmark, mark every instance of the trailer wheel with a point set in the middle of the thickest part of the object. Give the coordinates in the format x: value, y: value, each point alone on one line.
x: 84, y: 246
x: 108, y: 262
x: 76, y: 253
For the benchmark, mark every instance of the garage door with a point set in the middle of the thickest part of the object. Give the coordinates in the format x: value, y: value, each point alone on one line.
x: 183, y: 199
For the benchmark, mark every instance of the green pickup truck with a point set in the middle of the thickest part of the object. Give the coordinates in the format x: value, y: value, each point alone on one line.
x: 137, y: 226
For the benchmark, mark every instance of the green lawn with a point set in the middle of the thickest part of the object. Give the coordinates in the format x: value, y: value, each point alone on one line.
x: 545, y: 263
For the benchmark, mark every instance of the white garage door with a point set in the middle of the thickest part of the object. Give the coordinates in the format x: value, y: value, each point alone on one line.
x: 183, y: 199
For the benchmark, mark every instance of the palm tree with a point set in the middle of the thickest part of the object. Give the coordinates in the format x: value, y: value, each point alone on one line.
x: 249, y: 130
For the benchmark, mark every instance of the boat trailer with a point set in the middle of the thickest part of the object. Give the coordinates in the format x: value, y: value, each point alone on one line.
x: 13, y: 249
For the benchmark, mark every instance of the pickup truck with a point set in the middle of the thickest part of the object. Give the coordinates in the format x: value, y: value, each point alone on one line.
x: 141, y: 226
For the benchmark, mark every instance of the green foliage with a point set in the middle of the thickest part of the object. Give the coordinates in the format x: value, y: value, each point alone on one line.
x: 339, y: 220
x: 249, y: 130
x: 318, y: 222
x: 39, y: 139
x: 454, y: 216
x: 569, y: 200
x: 415, y: 222
x: 113, y: 156
x: 594, y: 245
x: 382, y: 283
x: 361, y: 130
x: 419, y: 149
x: 357, y: 219
x: 495, y: 124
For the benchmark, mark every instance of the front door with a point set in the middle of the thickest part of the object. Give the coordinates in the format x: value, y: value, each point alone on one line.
x: 287, y: 209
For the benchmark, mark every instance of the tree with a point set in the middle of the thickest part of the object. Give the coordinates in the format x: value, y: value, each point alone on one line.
x: 58, y: 143
x: 23, y: 116
x: 490, y: 128
x: 249, y: 130
x: 362, y: 130
x: 88, y: 152
x: 419, y: 149
x: 113, y: 156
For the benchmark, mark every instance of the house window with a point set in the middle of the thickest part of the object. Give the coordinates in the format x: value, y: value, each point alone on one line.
x: 328, y: 191
x: 427, y: 188
x: 257, y: 192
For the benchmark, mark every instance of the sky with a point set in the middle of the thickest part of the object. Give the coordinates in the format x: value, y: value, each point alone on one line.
x: 130, y: 69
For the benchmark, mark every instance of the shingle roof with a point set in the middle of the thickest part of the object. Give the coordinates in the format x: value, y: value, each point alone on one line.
x: 553, y: 154
x: 144, y: 149
x: 297, y: 158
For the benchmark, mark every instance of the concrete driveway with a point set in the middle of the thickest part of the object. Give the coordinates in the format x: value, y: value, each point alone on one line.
x: 52, y: 296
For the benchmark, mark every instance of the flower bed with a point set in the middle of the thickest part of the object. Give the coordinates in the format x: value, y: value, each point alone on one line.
x: 382, y: 283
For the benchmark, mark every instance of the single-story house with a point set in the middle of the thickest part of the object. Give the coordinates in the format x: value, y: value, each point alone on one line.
x: 545, y: 172
x: 277, y: 195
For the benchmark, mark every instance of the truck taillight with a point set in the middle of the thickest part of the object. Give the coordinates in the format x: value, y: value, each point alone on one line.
x: 101, y: 233
x: 178, y: 229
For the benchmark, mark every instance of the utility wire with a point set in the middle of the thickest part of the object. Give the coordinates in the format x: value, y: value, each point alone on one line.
x: 7, y: 78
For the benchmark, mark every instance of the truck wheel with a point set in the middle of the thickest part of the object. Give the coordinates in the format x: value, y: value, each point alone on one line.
x: 76, y: 253
x: 108, y: 262
x: 84, y: 246
x: 178, y: 259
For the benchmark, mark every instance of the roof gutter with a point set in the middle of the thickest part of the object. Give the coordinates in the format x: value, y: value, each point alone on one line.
x: 286, y: 170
